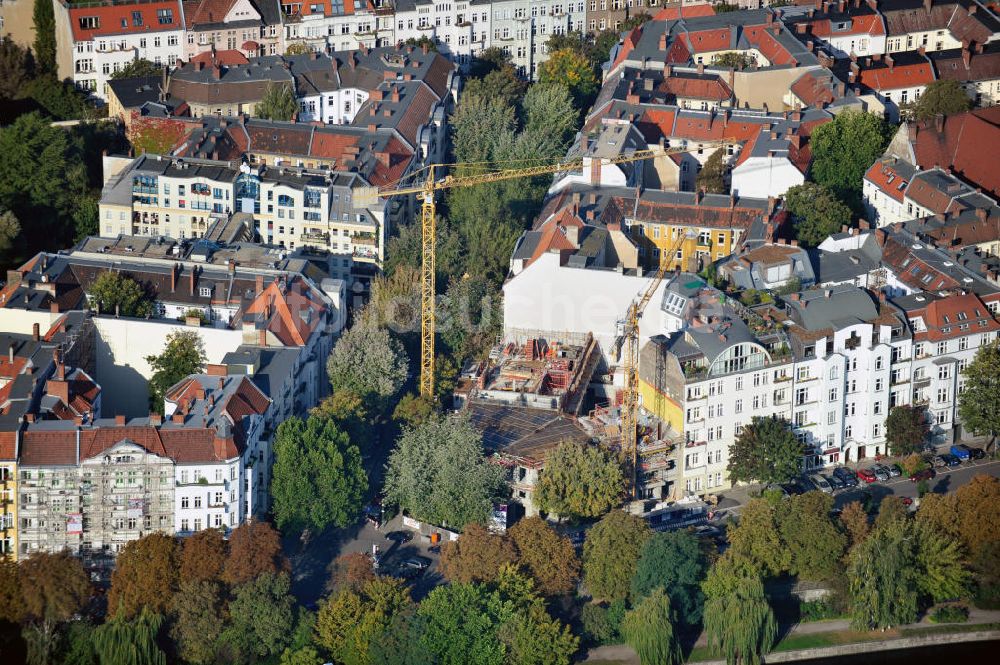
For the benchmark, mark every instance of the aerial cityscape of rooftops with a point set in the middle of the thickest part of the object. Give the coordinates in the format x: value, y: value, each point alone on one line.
x: 498, y: 331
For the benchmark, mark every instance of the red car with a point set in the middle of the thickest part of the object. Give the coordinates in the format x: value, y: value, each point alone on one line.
x: 867, y: 475
x: 907, y: 501
x: 926, y: 474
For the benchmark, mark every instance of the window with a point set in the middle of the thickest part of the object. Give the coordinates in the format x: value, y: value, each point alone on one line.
x: 942, y: 395
x: 197, y: 502
x: 942, y: 348
x: 165, y: 16
x: 738, y: 406
x: 137, y: 19
x: 185, y: 502
x: 205, y: 291
x: 944, y: 372
x: 185, y: 525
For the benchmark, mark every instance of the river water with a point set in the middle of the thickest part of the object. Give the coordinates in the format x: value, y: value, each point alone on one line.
x: 968, y: 653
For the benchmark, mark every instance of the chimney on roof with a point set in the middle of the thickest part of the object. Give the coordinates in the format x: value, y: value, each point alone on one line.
x: 155, y: 419
x: 262, y: 337
x: 119, y: 420
x: 36, y: 332
x: 372, y: 127
x: 177, y: 418
x: 840, y: 6
x: 54, y: 307
x: 967, y: 56
x: 863, y: 224
x: 701, y: 68
x: 800, y: 28
x: 192, y: 278
x: 981, y: 214
x: 668, y: 71
x: 793, y: 242
x: 663, y: 42
x: 809, y: 46
x: 771, y: 202
x: 889, y: 61
x: 927, y: 5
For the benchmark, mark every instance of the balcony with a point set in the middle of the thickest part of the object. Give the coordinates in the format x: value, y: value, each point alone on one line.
x: 316, y: 237
x: 364, y: 239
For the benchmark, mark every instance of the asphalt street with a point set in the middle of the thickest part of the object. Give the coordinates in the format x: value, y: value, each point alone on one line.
x: 948, y: 479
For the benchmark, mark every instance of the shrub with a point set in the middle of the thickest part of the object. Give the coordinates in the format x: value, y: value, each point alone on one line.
x: 602, y: 623
x: 950, y: 614
x: 818, y: 610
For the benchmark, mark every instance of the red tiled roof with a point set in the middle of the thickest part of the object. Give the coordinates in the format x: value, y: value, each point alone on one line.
x: 956, y: 310
x: 881, y: 77
x: 287, y: 311
x: 884, y: 176
x: 813, y: 90
x: 225, y: 58
x: 864, y: 24
x: 693, y: 11
x: 959, y: 146
x: 712, y: 88
x: 114, y: 20
x: 8, y: 445
x: 206, y: 11
x: 707, y: 41
x: 398, y: 158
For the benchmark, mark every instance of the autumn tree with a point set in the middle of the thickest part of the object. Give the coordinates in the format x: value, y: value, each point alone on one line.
x: 712, y: 176
x: 263, y: 615
x: 854, y: 520
x: 10, y: 233
x: 118, y: 294
x: 11, y: 597
x: 350, y: 572
x: 766, y: 451
x: 672, y: 562
x: 140, y: 67
x: 756, y: 537
x: 739, y: 621
x: 549, y: 558
x: 978, y: 521
x: 814, y: 542
x: 349, y: 621
x: 979, y: 401
x: 297, y: 48
x: 905, y: 429
x: 570, y: 68
x: 254, y: 549
x: 816, y: 213
x: 611, y: 552
x: 203, y: 556
x: 145, y: 575
x: 196, y: 609
x: 54, y: 588
x: 319, y: 479
x: 649, y: 629
x: 580, y: 480
x: 890, y: 509
x: 477, y: 556
x: 182, y: 355
x: 278, y: 103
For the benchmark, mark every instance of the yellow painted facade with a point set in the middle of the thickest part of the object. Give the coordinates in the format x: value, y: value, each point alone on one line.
x: 661, y: 406
x: 709, y: 244
x: 8, y: 508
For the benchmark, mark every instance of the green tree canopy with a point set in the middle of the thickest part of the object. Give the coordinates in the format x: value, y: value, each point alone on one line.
x: 297, y: 48
x: 882, y: 578
x: 145, y: 576
x: 473, y: 316
x: 16, y: 67
x: 816, y: 213
x: 941, y: 97
x: 197, y: 608
x: 580, y: 480
x: 549, y: 558
x: 501, y: 83
x: 318, y: 476
x: 263, y: 615
x: 712, y: 177
x: 119, y: 294
x: 844, y: 149
x: 478, y: 126
x: 182, y: 355
x: 766, y: 451
x: 979, y: 401
x: 123, y: 641
x: 738, y: 619
x: 611, y: 553
x: 549, y: 120
x: 45, y: 36
x: 477, y: 556
x: 649, y: 629
x: 572, y: 69
x: 814, y: 542
x: 136, y: 68
x: 737, y: 60
x: 368, y: 362
x: 350, y: 621
x: 459, y: 627
x: 438, y: 473
x: 672, y: 562
x: 756, y: 537
x: 278, y: 103
x: 905, y: 429
x: 940, y: 561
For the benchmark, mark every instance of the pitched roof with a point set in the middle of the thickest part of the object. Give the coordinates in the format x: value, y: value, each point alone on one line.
x: 901, y: 71
x: 108, y: 20
x: 956, y: 143
x: 289, y: 310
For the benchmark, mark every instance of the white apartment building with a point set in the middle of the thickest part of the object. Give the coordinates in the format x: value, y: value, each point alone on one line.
x: 104, y: 38
x: 460, y: 29
x: 336, y: 25
x: 521, y: 28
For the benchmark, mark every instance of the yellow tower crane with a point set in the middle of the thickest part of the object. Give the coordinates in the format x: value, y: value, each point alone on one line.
x: 427, y: 185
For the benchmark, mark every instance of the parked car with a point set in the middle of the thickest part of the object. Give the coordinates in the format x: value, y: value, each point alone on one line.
x: 939, y: 461
x: 417, y: 562
x: 867, y: 475
x: 846, y: 476
x: 794, y: 488
x: 821, y: 483
x: 907, y: 501
x: 895, y: 470
x: 977, y: 453
x: 881, y: 472
x: 926, y: 474
x: 399, y: 536
x: 951, y: 460
x: 961, y: 452
x: 776, y: 488
x: 835, y: 482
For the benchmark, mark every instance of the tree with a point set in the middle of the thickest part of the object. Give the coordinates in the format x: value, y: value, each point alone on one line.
x: 502, y: 84
x: 673, y: 563
x: 549, y: 120
x: 16, y: 67
x: 905, y: 429
x: 812, y: 539
x: 548, y: 557
x: 611, y: 552
x: 11, y: 597
x: 978, y: 522
x: 913, y: 463
x: 422, y: 42
x: 530, y: 636
x: 368, y: 362
x: 766, y: 451
x: 145, y: 575
x: 349, y: 622
x: 712, y: 177
x: 439, y: 474
x: 85, y: 218
x: 488, y: 60
x: 573, y: 70
x: 756, y: 537
x: 458, y: 627
x: 140, y: 67
x: 979, y: 402
x: 318, y: 476
x: 882, y: 579
x: 203, y: 556
x: 54, y: 588
x: 940, y: 560
x: 119, y: 294
x: 303, y: 656
x: 816, y: 213
x: 122, y: 641
x: 844, y: 149
x: 941, y: 97
x: 45, y: 36
x: 78, y: 644
x: 890, y: 509
x: 580, y: 480
x: 738, y: 619
x: 297, y: 48
x: 197, y: 609
x: 478, y: 126
x: 183, y: 355
x: 60, y: 100
x: 649, y: 629
x: 413, y: 410
x: 263, y: 614
x: 254, y: 549
x: 477, y: 556
x: 10, y: 232
x: 278, y: 103
x: 350, y: 572
x: 855, y: 522
x: 733, y: 60
x: 472, y: 316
